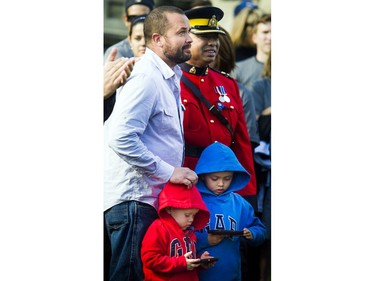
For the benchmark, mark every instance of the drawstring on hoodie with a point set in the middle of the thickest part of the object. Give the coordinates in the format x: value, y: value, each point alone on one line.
x: 189, y: 230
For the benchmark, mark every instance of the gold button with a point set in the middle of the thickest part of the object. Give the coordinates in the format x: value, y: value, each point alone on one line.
x: 202, y: 80
x: 231, y: 107
x: 212, y: 121
x: 185, y: 100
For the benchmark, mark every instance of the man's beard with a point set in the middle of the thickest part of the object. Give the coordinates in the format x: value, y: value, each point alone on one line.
x: 177, y: 57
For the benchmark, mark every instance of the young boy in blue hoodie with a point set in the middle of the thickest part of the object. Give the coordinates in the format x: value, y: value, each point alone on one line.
x: 220, y: 175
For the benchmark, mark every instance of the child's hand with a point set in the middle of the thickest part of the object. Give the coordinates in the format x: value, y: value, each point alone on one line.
x: 214, y: 239
x: 247, y: 233
x: 206, y: 255
x: 191, y: 263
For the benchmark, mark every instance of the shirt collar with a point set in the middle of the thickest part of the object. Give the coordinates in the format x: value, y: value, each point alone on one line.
x: 166, y: 71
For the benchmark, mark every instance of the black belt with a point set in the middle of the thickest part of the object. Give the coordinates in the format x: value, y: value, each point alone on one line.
x: 193, y: 151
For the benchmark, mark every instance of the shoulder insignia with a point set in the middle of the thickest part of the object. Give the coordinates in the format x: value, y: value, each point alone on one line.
x: 222, y: 73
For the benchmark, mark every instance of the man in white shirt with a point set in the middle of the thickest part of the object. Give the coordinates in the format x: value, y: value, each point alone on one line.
x: 143, y: 140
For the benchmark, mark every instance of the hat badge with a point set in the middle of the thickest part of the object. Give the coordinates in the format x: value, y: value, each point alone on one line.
x: 212, y: 21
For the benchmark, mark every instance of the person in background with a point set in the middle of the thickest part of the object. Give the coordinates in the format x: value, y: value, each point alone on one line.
x: 137, y: 37
x: 243, y: 4
x: 169, y: 246
x: 247, y: 72
x: 201, y: 3
x: 261, y: 90
x: 121, y: 56
x: 143, y: 129
x: 242, y: 30
x: 220, y: 176
x: 204, y: 123
x: 133, y: 9
x: 137, y: 44
x: 250, y: 70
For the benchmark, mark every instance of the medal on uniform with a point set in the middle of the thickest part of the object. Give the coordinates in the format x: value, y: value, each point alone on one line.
x: 220, y: 106
x: 223, y: 96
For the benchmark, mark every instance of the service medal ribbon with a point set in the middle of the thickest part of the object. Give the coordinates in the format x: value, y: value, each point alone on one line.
x: 223, y: 96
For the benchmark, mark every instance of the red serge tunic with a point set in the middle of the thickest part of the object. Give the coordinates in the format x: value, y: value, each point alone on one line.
x: 165, y: 243
x: 201, y: 127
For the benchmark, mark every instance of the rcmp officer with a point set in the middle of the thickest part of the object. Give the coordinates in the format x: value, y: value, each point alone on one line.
x: 213, y: 110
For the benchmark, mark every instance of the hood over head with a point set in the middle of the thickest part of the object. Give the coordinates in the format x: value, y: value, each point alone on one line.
x: 218, y: 157
x: 179, y: 196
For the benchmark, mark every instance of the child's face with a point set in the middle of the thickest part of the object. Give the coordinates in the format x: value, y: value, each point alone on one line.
x: 184, y: 217
x: 219, y: 182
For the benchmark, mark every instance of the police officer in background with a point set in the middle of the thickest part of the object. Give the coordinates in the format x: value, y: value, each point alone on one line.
x: 216, y: 115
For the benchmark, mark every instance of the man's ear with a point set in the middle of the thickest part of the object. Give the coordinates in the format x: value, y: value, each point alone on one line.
x: 157, y: 39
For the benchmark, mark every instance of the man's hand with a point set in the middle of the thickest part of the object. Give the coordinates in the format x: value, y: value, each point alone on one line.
x: 183, y: 175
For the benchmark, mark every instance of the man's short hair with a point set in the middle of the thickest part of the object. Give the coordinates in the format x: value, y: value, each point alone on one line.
x: 157, y: 22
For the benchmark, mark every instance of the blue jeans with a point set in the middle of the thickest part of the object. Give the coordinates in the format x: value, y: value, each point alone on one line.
x: 126, y: 225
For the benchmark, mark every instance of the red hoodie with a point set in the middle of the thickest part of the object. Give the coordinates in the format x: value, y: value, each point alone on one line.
x: 165, y: 243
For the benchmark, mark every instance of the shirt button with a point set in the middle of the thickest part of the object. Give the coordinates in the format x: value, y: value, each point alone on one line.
x: 202, y: 80
x: 212, y: 121
x: 185, y: 100
x: 231, y: 107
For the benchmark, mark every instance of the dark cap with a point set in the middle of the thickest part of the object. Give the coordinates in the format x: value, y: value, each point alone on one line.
x: 205, y: 20
x: 243, y: 5
x: 135, y: 21
x: 148, y: 3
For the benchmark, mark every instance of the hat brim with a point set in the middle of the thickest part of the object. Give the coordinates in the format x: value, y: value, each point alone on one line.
x: 196, y: 31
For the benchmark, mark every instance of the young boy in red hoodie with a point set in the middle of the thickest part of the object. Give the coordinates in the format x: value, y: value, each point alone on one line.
x: 168, y: 249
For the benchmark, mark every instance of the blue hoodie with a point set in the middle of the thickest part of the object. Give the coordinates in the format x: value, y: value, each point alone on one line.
x: 229, y: 211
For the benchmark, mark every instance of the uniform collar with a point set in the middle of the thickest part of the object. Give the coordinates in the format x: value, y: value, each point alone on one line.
x: 199, y: 71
